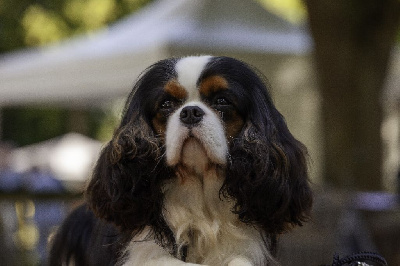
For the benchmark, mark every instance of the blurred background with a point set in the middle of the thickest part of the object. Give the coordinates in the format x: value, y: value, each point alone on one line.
x: 334, y: 67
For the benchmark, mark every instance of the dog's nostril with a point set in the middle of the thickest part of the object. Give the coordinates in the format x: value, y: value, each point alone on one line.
x: 191, y: 115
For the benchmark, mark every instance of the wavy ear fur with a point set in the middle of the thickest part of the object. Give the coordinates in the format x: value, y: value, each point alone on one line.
x: 126, y: 184
x: 125, y: 187
x: 268, y: 173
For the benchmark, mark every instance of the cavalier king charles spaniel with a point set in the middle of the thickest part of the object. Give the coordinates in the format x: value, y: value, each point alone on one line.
x: 202, y: 170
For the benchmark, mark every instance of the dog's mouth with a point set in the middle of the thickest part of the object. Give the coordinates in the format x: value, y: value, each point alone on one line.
x: 194, y: 156
x: 194, y: 151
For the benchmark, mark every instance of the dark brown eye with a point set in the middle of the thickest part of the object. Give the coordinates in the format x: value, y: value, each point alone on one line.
x: 167, y: 105
x: 222, y: 101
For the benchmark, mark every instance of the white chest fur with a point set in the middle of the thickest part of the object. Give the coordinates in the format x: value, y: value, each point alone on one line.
x: 202, y: 220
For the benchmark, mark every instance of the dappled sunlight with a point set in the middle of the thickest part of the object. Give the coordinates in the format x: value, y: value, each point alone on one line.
x: 292, y: 10
x: 43, y: 26
x: 90, y: 14
x: 27, y: 235
x: 390, y: 138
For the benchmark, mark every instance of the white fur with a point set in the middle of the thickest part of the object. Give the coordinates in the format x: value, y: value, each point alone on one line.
x: 143, y: 251
x: 189, y: 70
x: 203, y: 220
x: 209, y: 132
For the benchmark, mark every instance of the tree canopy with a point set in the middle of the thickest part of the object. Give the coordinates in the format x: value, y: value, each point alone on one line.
x: 36, y: 23
x: 32, y: 23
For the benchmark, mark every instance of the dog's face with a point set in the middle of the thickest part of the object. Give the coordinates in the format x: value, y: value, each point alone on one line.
x: 197, y: 115
x: 192, y: 112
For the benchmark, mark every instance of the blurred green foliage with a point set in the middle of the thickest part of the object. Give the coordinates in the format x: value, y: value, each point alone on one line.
x: 30, y: 23
x: 36, y: 23
x: 27, y: 125
x: 293, y: 10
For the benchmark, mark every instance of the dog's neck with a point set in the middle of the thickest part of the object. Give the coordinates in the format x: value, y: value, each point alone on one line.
x: 194, y: 209
x: 201, y: 218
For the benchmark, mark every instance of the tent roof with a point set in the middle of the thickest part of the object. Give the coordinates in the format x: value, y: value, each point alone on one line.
x: 104, y: 65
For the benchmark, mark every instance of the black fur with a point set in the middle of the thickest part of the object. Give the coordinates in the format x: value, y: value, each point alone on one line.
x: 80, y: 235
x: 125, y: 188
x: 266, y: 175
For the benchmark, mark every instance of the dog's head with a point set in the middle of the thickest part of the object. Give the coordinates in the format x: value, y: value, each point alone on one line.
x: 194, y: 112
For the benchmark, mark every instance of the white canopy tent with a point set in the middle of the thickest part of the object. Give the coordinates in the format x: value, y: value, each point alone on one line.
x: 99, y: 68
x: 88, y: 69
x: 103, y: 66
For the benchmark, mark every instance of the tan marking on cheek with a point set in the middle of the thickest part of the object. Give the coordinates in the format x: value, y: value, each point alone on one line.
x: 159, y: 124
x: 213, y: 84
x: 234, y: 126
x: 175, y: 89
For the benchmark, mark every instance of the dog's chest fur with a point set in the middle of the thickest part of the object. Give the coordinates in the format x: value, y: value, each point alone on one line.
x: 199, y: 216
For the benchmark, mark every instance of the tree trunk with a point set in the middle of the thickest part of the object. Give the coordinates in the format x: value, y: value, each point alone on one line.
x: 353, y: 40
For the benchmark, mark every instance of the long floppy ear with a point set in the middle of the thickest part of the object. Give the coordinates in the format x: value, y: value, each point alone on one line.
x: 125, y: 187
x: 126, y: 184
x: 268, y: 174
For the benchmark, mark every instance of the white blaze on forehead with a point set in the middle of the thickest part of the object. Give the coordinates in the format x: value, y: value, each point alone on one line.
x: 188, y: 70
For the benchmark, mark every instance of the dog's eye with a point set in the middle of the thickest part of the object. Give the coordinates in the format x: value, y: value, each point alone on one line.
x: 167, y: 104
x: 222, y: 101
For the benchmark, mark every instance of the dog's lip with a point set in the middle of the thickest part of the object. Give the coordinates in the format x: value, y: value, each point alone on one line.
x: 192, y: 126
x: 189, y: 136
x: 192, y: 136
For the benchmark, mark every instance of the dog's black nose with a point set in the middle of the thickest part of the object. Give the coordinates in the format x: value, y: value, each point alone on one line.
x: 191, y: 115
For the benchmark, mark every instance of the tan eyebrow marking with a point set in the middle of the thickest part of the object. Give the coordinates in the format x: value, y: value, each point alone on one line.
x: 213, y: 84
x: 175, y: 89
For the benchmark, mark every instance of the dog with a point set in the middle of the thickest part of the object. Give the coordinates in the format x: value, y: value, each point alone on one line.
x: 202, y: 170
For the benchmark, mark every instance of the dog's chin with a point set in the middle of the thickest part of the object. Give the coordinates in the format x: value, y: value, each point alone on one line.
x: 196, y: 157
x: 192, y: 148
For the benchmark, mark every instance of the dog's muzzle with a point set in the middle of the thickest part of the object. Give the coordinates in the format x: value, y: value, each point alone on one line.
x: 195, y: 122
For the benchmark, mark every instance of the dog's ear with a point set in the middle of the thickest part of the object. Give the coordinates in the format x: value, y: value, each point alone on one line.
x: 125, y: 187
x: 268, y: 175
